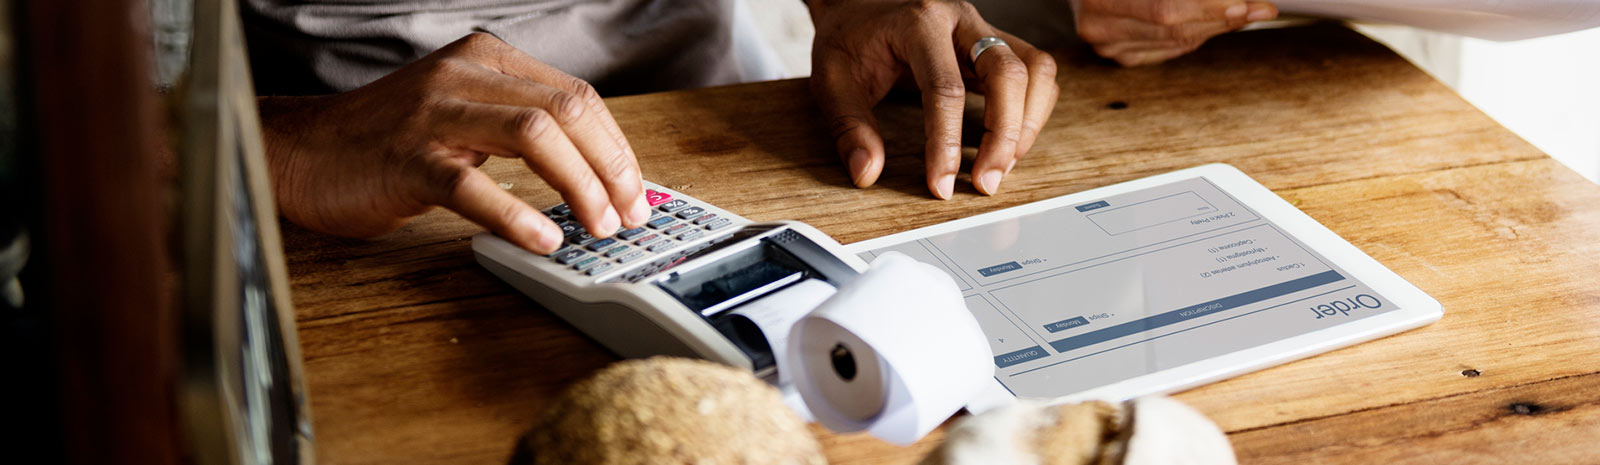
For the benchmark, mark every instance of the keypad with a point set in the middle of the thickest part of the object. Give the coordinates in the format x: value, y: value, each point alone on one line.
x: 673, y: 222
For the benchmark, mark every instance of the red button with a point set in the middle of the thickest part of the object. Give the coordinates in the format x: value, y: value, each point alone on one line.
x: 656, y: 198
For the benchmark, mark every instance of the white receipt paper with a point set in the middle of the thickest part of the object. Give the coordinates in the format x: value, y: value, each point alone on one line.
x: 894, y: 352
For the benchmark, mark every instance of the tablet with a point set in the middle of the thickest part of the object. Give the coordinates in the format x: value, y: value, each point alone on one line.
x: 1157, y: 285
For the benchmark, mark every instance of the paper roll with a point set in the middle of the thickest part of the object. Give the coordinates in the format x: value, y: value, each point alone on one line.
x: 776, y: 314
x: 894, y: 352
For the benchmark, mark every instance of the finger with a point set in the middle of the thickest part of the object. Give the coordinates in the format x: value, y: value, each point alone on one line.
x: 938, y: 74
x: 1261, y: 11
x: 847, y: 104
x: 534, y: 134
x: 1043, y: 92
x: 1005, y: 81
x: 579, y: 109
x: 1173, y: 12
x: 1110, y: 29
x: 479, y: 199
x: 1116, y: 49
x: 1150, y: 56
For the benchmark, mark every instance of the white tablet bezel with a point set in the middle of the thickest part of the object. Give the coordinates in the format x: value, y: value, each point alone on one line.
x: 1416, y: 307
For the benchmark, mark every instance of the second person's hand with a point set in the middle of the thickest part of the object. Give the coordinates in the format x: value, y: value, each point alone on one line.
x: 864, y: 47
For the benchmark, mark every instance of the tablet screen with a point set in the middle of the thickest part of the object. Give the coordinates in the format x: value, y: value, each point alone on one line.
x: 1093, y: 293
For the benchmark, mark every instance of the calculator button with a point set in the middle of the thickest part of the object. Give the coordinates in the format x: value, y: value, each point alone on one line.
x: 661, y: 222
x: 630, y: 256
x: 560, y: 210
x: 718, y: 224
x: 691, y: 212
x: 602, y: 244
x: 631, y: 233
x: 581, y: 239
x: 584, y: 264
x: 656, y: 198
x: 706, y: 218
x: 615, y: 251
x: 674, y: 206
x: 675, y: 229
x: 601, y: 268
x: 569, y: 227
x: 693, y: 233
x: 647, y: 240
x: 570, y: 256
x: 663, y: 245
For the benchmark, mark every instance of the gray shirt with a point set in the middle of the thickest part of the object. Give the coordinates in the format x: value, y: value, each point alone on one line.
x: 302, y: 47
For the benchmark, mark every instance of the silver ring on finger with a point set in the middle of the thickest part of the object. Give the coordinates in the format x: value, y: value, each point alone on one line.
x: 983, y: 44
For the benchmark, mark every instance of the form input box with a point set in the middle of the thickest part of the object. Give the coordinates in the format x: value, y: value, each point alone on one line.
x: 1154, y: 212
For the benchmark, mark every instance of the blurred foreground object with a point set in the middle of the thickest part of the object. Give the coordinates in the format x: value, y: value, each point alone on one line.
x: 669, y: 410
x: 1146, y: 431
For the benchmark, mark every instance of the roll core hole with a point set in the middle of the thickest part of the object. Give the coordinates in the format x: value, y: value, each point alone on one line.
x: 844, y: 363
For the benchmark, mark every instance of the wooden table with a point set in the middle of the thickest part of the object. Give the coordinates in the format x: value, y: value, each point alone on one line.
x: 414, y: 354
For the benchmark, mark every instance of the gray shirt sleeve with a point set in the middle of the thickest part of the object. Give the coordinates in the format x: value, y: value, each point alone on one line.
x: 621, y: 46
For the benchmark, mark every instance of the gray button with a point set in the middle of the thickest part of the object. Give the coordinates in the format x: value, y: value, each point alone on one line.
x: 615, y: 251
x: 647, y: 240
x: 663, y: 245
x: 693, y: 233
x: 631, y: 233
x: 674, y: 205
x: 581, y: 239
x: 706, y: 218
x: 570, y: 256
x: 691, y: 212
x: 602, y: 244
x: 661, y: 222
x: 560, y: 210
x: 569, y: 227
x: 675, y: 228
x: 598, y: 269
x: 718, y: 224
x: 630, y: 256
x: 586, y: 263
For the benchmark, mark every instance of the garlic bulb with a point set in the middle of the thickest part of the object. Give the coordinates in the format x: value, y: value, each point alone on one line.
x: 1145, y: 431
x: 669, y: 410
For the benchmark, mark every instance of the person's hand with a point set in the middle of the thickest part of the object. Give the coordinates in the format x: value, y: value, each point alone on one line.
x: 364, y: 162
x: 864, y: 47
x: 1142, y: 32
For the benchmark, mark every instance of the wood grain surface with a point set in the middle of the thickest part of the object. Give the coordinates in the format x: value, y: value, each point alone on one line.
x: 414, y: 354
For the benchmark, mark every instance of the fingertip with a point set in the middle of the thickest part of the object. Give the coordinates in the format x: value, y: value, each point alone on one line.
x: 639, y: 212
x: 864, y: 168
x: 538, y: 235
x: 1237, y: 12
x: 944, y: 187
x: 989, y: 182
x: 1262, y: 12
x: 609, y: 223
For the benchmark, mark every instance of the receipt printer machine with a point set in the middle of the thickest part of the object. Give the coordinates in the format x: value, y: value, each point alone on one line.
x: 672, y: 286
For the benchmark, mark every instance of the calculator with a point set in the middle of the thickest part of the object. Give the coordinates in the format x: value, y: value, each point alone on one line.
x: 673, y: 285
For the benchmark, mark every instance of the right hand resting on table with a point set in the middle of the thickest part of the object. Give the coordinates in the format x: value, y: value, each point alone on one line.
x: 364, y: 162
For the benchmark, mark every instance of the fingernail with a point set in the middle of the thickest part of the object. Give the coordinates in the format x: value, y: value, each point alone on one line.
x: 1011, y: 164
x: 989, y: 182
x: 945, y: 187
x: 859, y: 158
x: 548, y: 236
x: 1237, y: 11
x: 640, y: 211
x: 1262, y: 14
x: 609, y: 222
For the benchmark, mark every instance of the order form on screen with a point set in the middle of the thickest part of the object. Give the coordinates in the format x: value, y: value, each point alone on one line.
x: 1102, y: 290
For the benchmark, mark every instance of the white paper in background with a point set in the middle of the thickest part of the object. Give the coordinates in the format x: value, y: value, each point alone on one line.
x: 1484, y: 19
x: 919, y: 354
